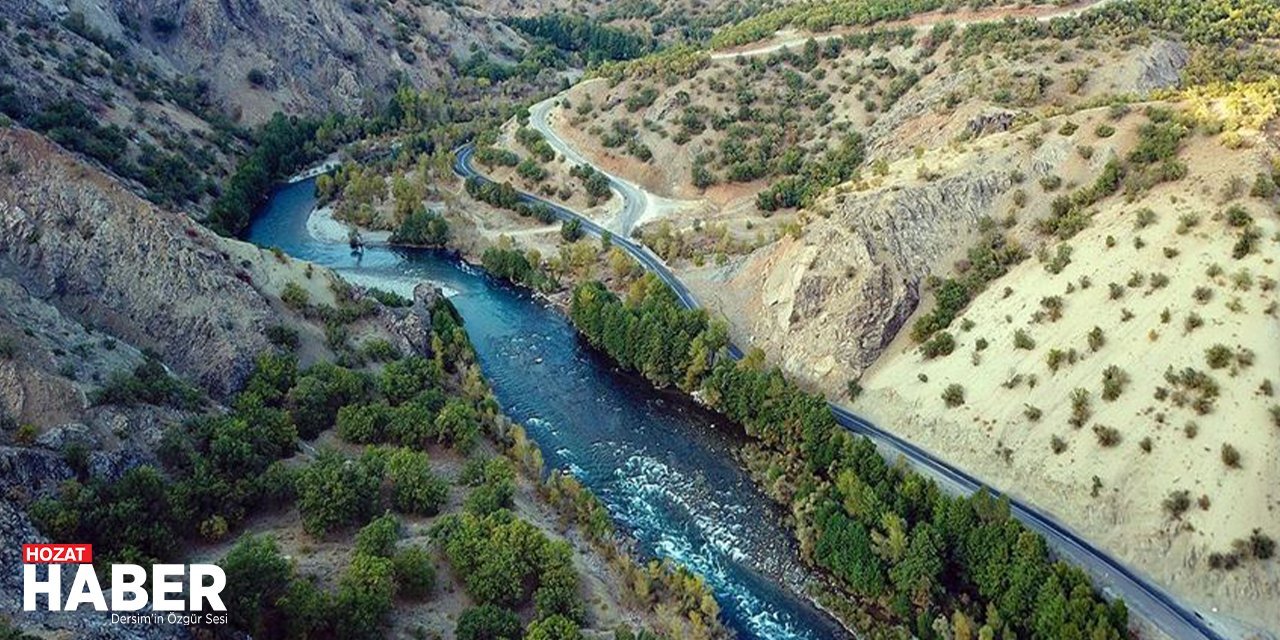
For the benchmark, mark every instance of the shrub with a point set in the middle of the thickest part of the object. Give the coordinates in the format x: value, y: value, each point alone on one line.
x: 571, y: 230
x: 334, y: 491
x: 257, y: 77
x: 421, y: 228
x: 1261, y: 546
x: 364, y: 598
x: 1023, y: 340
x: 1145, y: 445
x: 1145, y: 218
x: 1192, y: 322
x: 1177, y: 503
x: 378, y: 538
x: 1237, y: 216
x: 1230, y: 456
x: 414, y: 573
x: 1190, y: 429
x: 294, y: 296
x: 1058, y: 445
x: 1104, y: 131
x: 1114, y: 380
x: 1096, y: 339
x: 953, y: 395
x: 1218, y: 356
x: 1107, y: 436
x: 941, y: 344
x: 414, y: 488
x: 1202, y: 295
x: 1080, y: 410
x: 488, y: 622
x: 8, y: 347
x: 1032, y: 413
x: 283, y: 336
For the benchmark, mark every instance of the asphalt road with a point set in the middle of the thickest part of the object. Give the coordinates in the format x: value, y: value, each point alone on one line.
x: 1144, y: 599
x: 634, y: 199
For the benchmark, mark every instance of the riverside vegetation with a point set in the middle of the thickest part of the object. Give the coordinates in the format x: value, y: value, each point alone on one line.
x: 902, y: 548
x: 221, y: 471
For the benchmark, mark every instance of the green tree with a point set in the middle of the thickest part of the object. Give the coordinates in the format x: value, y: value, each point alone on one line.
x: 364, y: 598
x: 488, y: 622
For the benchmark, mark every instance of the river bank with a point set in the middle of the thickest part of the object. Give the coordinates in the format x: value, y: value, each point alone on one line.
x: 661, y: 465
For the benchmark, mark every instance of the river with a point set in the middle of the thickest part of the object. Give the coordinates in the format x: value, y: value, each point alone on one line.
x: 662, y: 465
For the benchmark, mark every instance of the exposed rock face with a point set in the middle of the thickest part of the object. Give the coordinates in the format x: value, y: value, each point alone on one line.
x: 71, y: 235
x: 829, y: 304
x: 413, y: 326
x: 1161, y: 65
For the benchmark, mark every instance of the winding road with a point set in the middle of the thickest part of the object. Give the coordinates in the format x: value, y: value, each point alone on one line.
x: 1143, y: 597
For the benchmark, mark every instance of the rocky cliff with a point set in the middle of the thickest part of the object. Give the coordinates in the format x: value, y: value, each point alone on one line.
x: 70, y: 234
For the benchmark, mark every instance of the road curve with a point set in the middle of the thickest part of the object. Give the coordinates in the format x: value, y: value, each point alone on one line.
x: 1146, y: 599
x: 634, y: 199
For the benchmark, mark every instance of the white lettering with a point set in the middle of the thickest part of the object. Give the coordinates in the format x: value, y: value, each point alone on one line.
x: 86, y: 590
x: 200, y: 592
x: 160, y: 586
x: 51, y: 587
x: 127, y: 580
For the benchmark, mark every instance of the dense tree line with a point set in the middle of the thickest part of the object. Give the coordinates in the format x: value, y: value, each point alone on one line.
x: 893, y: 539
x: 651, y: 334
x: 282, y: 145
x: 595, y: 42
x: 422, y: 228
x: 823, y: 16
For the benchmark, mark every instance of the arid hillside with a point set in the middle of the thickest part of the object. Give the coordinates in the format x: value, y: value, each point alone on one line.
x: 1099, y: 194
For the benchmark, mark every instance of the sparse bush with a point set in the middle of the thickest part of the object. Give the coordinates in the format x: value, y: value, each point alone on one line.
x: 1190, y: 430
x: 1032, y: 413
x: 1145, y: 218
x: 941, y: 344
x: 1104, y: 131
x: 1192, y: 322
x: 1218, y: 356
x: 853, y: 389
x: 1023, y: 340
x: 1107, y: 436
x: 1230, y: 456
x: 1115, y: 291
x: 294, y: 296
x: 414, y: 573
x: 1096, y: 339
x: 953, y: 395
x: 1080, y: 410
x: 1264, y: 186
x: 283, y: 336
x: 1202, y: 295
x: 1058, y: 445
x: 1114, y: 380
x: 1237, y: 216
x: 1177, y: 503
x: 1145, y: 444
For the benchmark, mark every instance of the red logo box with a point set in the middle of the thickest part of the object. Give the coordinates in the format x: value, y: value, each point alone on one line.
x: 57, y: 554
